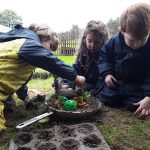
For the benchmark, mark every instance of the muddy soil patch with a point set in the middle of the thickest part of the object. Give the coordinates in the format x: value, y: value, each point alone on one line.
x: 92, y: 141
x: 70, y: 144
x: 23, y: 138
x: 45, y: 135
x: 47, y: 146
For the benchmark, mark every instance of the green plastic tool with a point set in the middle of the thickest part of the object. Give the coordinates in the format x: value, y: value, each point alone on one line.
x: 62, y: 98
x: 70, y: 105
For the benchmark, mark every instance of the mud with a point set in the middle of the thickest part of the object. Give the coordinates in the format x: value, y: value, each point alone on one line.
x: 83, y: 136
x: 47, y: 146
x: 46, y: 135
x: 24, y: 148
x: 70, y: 144
x: 65, y: 131
x: 85, y: 128
x: 92, y: 141
x: 23, y: 138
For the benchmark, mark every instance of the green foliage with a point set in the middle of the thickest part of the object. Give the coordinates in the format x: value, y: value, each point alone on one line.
x: 9, y: 18
x: 74, y: 32
x: 113, y: 26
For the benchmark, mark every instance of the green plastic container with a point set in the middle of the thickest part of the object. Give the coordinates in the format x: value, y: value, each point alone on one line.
x: 62, y: 98
x: 70, y: 105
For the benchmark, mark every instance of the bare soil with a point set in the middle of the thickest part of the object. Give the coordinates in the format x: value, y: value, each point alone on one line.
x: 120, y: 128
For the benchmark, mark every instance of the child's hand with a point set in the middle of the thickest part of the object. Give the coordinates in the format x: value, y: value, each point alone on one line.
x: 80, y: 80
x: 144, y: 107
x: 37, y: 92
x: 64, y: 86
x: 110, y: 81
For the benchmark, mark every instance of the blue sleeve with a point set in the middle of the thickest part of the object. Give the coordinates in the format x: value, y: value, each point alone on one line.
x: 106, y: 57
x: 67, y: 82
x: 146, y: 84
x: 77, y: 67
x: 35, y: 54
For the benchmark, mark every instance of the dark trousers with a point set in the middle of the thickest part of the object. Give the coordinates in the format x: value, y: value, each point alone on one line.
x: 124, y: 95
x: 22, y: 93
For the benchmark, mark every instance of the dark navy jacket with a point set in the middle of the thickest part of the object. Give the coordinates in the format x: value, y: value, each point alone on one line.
x: 33, y: 52
x: 128, y: 66
x: 89, y: 69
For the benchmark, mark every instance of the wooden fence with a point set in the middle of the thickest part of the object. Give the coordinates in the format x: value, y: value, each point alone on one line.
x: 68, y: 43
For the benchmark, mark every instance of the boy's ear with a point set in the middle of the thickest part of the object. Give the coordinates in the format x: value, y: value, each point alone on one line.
x: 120, y: 30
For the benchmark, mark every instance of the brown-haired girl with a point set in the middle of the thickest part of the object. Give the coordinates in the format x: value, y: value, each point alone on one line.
x: 94, y: 36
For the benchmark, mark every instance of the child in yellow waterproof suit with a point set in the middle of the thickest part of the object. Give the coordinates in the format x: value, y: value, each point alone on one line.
x: 21, y: 51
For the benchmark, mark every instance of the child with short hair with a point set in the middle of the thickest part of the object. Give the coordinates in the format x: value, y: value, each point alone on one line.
x: 125, y: 60
x: 21, y: 51
x: 94, y: 36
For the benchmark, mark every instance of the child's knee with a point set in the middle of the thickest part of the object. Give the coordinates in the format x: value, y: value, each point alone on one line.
x: 129, y: 105
x: 112, y: 101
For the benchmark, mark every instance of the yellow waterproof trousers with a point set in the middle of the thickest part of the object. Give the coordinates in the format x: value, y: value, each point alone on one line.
x: 3, y: 97
x: 2, y: 119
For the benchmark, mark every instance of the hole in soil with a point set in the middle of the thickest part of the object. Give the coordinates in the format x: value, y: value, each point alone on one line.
x: 85, y: 128
x: 24, y: 148
x: 92, y: 141
x: 65, y: 131
x: 45, y: 135
x: 70, y: 144
x: 37, y: 143
x: 47, y: 146
x: 23, y: 138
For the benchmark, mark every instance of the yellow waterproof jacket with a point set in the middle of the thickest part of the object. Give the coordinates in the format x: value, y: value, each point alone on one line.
x: 13, y: 71
x: 20, y: 52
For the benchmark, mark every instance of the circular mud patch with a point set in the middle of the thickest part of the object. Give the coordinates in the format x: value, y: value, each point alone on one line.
x: 24, y: 148
x: 65, y: 131
x: 23, y: 138
x: 70, y: 144
x: 85, y: 128
x: 92, y: 141
x: 45, y: 135
x: 47, y: 146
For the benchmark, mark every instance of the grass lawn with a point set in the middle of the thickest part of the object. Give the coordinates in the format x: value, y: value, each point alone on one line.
x: 121, y: 129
